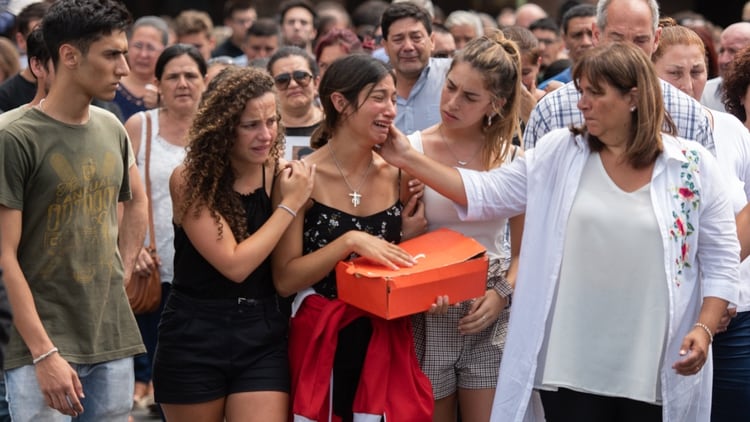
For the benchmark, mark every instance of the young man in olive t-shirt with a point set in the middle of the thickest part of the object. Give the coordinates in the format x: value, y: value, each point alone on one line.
x: 64, y: 167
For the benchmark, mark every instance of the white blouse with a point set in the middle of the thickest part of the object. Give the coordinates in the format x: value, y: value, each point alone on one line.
x: 611, y: 276
x: 698, y: 235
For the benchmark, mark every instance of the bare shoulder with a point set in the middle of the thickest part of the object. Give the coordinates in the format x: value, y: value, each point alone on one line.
x: 431, y: 135
x: 177, y: 187
x: 177, y: 181
x: 318, y: 156
x: 133, y: 128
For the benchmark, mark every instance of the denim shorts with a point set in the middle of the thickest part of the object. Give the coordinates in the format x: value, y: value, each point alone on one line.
x: 208, y: 349
x: 108, y: 387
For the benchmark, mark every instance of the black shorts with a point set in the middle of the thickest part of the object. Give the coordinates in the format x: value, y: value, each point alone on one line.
x: 209, y: 349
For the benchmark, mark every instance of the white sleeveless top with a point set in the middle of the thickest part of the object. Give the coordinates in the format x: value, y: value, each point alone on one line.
x: 440, y: 212
x: 165, y: 157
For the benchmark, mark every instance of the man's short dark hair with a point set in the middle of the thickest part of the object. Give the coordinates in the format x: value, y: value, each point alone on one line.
x: 263, y: 27
x: 397, y: 11
x: 232, y: 6
x: 440, y: 28
x: 32, y: 12
x: 81, y: 23
x: 290, y: 4
x: 191, y: 21
x: 369, y: 13
x: 545, y: 24
x: 36, y: 49
x: 580, y: 11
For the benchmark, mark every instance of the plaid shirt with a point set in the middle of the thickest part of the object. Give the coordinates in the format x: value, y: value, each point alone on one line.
x: 559, y: 109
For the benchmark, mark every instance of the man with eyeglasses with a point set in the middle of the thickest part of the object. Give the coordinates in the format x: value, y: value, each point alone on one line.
x: 408, y: 41
x: 239, y: 16
x: 547, y: 33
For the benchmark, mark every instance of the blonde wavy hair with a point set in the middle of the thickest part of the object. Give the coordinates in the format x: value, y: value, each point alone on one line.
x: 499, y: 61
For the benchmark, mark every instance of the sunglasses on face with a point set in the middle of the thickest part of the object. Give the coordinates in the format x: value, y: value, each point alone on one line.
x: 300, y: 76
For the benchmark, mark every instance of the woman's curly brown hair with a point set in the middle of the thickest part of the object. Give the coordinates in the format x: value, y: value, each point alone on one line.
x: 735, y: 84
x: 207, y: 173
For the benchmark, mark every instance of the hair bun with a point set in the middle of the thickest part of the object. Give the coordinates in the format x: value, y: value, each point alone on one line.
x: 495, y: 35
x: 667, y: 22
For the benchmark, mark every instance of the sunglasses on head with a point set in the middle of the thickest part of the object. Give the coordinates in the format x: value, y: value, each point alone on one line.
x: 300, y: 76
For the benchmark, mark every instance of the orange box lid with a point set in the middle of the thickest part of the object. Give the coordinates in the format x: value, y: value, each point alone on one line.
x: 432, y: 250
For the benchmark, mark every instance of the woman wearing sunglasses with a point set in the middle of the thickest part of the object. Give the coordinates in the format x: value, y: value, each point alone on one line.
x: 296, y: 76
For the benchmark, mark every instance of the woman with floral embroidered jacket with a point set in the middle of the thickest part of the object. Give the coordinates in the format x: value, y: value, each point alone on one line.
x: 629, y: 255
x: 681, y: 60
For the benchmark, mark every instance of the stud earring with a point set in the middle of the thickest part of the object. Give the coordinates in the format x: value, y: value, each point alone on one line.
x: 489, y: 120
x: 632, y: 109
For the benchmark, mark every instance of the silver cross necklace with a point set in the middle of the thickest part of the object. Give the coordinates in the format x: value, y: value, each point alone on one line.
x: 355, y: 195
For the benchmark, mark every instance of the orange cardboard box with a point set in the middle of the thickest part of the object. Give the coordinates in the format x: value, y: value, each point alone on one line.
x: 448, y: 263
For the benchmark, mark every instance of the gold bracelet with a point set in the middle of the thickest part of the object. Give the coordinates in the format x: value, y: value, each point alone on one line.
x: 707, y: 330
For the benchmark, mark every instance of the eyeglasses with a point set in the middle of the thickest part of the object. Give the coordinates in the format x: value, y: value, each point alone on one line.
x: 547, y: 41
x: 300, y: 76
x: 220, y: 60
x: 441, y: 54
x: 148, y: 47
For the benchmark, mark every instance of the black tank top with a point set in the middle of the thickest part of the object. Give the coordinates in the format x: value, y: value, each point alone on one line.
x: 195, y: 277
x: 324, y: 224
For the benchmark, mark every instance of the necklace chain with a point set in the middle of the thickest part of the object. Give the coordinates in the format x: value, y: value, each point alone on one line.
x: 450, y: 150
x: 355, y: 195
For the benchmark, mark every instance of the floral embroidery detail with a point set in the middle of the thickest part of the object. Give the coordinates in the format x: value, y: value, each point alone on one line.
x: 688, y: 196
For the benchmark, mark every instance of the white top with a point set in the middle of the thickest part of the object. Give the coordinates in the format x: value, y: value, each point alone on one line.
x: 440, y: 212
x: 711, y: 97
x: 165, y: 157
x: 733, y: 153
x: 612, y: 274
x: 543, y: 183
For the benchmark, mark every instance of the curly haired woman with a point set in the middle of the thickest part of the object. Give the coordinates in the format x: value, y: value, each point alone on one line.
x: 736, y: 85
x: 222, y: 348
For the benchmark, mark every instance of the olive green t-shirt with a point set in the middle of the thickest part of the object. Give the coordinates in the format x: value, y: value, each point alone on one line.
x: 67, y: 180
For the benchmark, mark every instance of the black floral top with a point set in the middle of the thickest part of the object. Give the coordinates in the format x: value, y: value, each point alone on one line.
x: 324, y: 224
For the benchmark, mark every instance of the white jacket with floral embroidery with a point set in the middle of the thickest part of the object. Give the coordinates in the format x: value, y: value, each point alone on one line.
x: 698, y: 233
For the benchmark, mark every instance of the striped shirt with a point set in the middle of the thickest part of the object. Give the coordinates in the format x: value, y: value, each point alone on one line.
x: 559, y: 109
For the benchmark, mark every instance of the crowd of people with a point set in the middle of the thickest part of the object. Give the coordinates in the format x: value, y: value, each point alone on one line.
x: 599, y: 153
